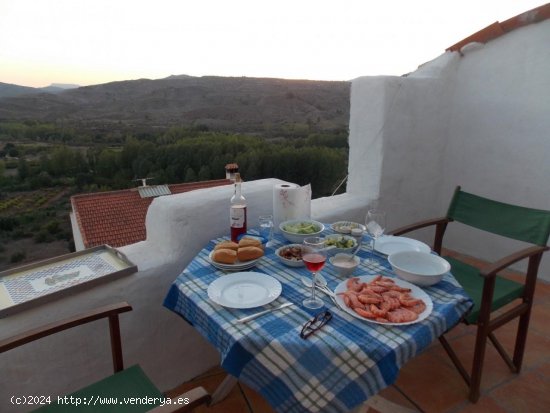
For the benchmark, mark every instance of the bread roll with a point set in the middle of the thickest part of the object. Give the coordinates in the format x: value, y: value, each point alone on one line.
x: 250, y: 242
x: 229, y: 245
x: 249, y: 253
x: 224, y: 256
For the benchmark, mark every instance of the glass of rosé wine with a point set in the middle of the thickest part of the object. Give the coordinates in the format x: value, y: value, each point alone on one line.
x: 314, y: 256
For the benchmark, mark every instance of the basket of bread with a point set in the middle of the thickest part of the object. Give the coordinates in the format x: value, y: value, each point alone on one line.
x: 228, y: 255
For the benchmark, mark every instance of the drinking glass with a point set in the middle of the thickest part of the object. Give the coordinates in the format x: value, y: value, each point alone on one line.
x: 376, y: 225
x: 266, y: 228
x: 314, y: 257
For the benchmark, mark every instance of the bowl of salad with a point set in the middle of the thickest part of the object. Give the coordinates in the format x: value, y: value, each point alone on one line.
x: 296, y: 230
x: 343, y: 243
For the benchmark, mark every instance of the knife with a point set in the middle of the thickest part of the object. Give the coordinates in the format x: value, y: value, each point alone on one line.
x: 260, y: 313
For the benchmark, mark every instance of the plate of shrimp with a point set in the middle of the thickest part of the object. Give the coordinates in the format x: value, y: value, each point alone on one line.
x: 383, y: 300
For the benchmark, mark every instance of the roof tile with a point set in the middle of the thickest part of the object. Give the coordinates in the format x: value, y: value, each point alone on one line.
x: 497, y: 29
x: 117, y: 218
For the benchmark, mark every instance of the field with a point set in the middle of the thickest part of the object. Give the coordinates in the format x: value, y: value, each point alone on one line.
x: 34, y: 225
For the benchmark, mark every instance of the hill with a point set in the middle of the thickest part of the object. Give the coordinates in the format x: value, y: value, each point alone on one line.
x: 239, y: 104
x: 10, y: 90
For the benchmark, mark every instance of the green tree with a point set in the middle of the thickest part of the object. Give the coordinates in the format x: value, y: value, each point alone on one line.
x: 204, y: 173
x: 190, y: 175
x: 107, y: 163
x: 23, y: 169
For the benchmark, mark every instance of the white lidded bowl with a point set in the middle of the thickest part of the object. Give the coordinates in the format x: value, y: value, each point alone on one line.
x: 298, y: 237
x: 343, y: 264
x: 420, y: 268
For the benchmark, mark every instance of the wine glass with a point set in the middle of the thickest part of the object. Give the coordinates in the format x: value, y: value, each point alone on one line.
x: 314, y: 257
x: 376, y: 225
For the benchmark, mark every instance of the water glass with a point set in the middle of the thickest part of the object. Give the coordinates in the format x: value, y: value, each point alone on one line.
x: 376, y: 225
x: 266, y: 228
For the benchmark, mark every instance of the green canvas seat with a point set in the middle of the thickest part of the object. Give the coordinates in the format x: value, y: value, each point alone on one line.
x: 505, y: 292
x: 488, y: 290
x: 109, y: 395
x: 126, y: 391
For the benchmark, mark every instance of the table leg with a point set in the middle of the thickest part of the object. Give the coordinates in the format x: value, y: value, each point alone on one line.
x: 223, y: 389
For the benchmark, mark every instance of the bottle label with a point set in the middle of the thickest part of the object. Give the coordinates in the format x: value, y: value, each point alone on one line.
x: 237, y: 217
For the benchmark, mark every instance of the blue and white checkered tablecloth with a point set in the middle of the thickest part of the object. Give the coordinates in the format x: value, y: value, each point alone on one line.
x: 335, y: 369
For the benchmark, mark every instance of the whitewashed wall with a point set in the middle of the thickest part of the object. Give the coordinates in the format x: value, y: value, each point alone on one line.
x: 479, y: 120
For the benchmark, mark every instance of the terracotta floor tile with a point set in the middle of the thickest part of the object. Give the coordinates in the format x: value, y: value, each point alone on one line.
x: 540, y: 314
x: 432, y: 383
x: 543, y: 370
x: 235, y: 402
x: 255, y: 400
x: 528, y: 393
x: 542, y: 291
x: 485, y: 404
x: 393, y: 395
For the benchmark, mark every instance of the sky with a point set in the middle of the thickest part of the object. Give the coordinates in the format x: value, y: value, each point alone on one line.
x: 88, y: 42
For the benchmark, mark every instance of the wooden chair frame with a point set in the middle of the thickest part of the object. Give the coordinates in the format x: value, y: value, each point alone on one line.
x: 196, y: 396
x: 486, y: 325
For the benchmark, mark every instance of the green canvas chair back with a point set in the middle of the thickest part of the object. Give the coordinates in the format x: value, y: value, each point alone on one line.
x: 511, y: 221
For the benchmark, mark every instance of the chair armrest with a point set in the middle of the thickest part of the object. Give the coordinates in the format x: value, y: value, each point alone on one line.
x: 57, y: 326
x: 196, y: 397
x: 418, y: 225
x: 492, y: 269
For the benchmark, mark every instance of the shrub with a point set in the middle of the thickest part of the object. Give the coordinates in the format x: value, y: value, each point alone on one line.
x: 18, y: 256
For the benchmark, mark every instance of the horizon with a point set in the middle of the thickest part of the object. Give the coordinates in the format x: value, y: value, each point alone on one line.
x: 88, y: 43
x: 74, y: 85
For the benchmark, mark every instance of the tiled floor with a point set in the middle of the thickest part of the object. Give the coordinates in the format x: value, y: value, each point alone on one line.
x: 432, y: 382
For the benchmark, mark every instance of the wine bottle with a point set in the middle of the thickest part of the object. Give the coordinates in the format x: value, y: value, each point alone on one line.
x: 237, y: 211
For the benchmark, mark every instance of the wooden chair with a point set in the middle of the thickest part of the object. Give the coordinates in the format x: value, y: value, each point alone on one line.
x: 488, y: 290
x: 125, y: 383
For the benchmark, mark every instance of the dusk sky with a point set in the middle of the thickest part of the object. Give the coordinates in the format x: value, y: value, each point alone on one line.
x: 89, y: 42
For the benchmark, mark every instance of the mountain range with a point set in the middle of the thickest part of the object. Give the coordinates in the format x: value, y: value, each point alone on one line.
x: 240, y: 104
x: 10, y: 90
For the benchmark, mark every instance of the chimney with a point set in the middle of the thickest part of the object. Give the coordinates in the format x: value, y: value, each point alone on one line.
x: 230, y: 170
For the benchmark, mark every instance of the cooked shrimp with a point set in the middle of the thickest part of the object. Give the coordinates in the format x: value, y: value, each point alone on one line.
x: 353, y: 284
x: 418, y: 308
x: 401, y: 315
x: 364, y: 313
x: 382, y: 300
x: 367, y: 299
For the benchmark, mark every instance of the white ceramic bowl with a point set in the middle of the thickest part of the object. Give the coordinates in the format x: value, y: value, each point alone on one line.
x: 296, y: 236
x: 343, y: 264
x: 290, y: 262
x: 420, y: 268
x: 337, y: 250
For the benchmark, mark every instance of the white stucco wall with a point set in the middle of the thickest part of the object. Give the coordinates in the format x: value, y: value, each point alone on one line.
x: 498, y: 143
x: 479, y: 120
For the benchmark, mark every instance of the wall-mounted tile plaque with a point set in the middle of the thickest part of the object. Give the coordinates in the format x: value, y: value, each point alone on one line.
x: 36, y: 283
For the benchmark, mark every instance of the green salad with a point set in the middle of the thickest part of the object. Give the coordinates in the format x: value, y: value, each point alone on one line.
x: 302, y: 228
x: 340, y: 242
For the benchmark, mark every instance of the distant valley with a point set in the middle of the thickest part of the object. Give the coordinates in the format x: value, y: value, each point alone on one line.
x: 236, y: 104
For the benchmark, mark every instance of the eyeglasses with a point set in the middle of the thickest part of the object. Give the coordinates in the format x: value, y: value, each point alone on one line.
x: 315, y: 324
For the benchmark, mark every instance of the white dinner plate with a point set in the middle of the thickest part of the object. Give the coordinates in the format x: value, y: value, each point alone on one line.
x: 238, y: 266
x: 244, y: 290
x: 337, y: 226
x: 416, y: 292
x: 389, y: 244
